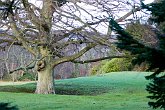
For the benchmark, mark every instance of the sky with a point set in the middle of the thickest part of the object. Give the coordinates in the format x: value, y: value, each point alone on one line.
x: 39, y: 1
x: 148, y: 1
x: 103, y: 30
x: 145, y: 1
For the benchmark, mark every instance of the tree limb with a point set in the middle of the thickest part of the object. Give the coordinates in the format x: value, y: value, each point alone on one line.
x: 72, y: 57
x: 128, y: 14
x: 20, y: 36
x: 29, y: 66
x: 99, y: 59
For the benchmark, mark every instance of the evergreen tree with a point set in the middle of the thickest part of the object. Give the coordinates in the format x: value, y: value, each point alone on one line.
x: 154, y: 56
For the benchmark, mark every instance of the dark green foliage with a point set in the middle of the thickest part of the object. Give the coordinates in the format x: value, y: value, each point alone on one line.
x: 157, y: 89
x: 142, y: 52
x: 155, y: 57
x: 6, y: 106
x: 157, y: 11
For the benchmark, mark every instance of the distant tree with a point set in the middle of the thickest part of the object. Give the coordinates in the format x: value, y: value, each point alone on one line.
x: 154, y: 56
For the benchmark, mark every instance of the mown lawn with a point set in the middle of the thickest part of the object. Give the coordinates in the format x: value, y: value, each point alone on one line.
x: 113, y: 91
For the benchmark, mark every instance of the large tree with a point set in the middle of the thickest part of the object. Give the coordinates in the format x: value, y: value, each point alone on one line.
x: 58, y: 31
x: 153, y: 55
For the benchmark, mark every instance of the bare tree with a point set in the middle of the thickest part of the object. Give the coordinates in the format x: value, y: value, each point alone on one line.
x: 48, y: 29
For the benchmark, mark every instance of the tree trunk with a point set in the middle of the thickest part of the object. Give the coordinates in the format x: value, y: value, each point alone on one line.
x: 45, y: 84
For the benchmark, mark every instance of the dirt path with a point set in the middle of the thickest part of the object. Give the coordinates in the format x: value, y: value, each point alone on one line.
x: 3, y: 83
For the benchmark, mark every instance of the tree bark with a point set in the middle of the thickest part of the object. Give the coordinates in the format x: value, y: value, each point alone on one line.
x: 45, y: 83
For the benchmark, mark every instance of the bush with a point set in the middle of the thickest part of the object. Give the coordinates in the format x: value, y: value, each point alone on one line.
x: 117, y: 64
x: 114, y: 65
x: 27, y: 77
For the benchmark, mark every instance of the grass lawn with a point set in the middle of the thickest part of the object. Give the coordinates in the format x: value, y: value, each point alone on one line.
x: 113, y: 91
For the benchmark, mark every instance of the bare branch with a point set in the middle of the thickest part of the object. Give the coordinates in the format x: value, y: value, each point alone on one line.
x: 29, y: 66
x: 19, y: 35
x: 98, y: 59
x: 128, y: 14
x: 74, y: 56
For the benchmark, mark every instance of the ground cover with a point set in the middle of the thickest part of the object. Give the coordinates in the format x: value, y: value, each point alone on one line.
x: 112, y: 91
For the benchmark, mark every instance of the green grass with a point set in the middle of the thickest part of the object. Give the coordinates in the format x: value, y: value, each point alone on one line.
x: 114, y: 91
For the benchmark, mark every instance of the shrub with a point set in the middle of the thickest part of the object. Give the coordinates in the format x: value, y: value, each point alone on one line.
x: 114, y: 65
x: 27, y: 77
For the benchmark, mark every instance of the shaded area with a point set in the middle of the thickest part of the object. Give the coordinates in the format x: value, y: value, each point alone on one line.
x: 7, y: 106
x: 63, y: 89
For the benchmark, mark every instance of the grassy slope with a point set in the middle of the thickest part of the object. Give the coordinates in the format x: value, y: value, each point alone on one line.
x: 122, y: 91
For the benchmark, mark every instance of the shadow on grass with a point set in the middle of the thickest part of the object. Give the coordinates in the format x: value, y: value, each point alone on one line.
x: 7, y: 106
x: 62, y: 89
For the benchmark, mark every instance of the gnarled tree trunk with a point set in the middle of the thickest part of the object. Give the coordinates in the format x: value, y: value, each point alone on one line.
x: 45, y: 84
